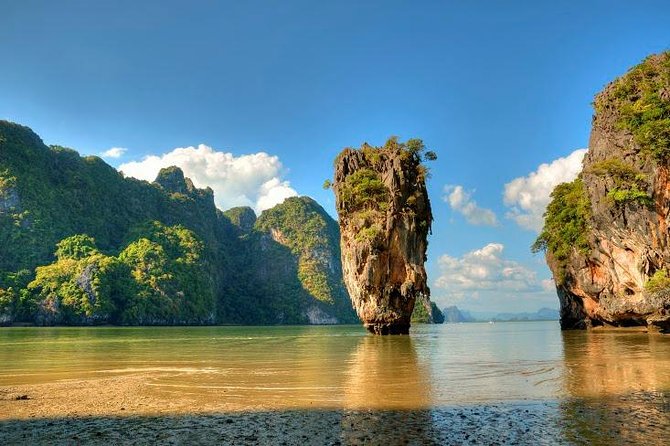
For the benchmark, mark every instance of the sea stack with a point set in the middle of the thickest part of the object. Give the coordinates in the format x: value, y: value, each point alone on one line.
x: 606, y: 234
x: 384, y: 217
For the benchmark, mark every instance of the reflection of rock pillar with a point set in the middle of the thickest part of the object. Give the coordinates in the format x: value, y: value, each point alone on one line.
x: 601, y: 364
x: 385, y: 374
x: 387, y: 394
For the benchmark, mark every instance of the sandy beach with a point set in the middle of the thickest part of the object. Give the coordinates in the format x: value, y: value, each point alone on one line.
x: 128, y: 410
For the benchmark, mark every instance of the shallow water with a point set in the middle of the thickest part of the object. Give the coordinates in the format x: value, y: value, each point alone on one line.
x: 342, y: 366
x: 528, y: 379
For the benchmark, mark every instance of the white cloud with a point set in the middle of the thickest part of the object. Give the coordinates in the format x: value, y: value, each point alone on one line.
x: 485, y: 270
x: 114, y: 152
x: 461, y: 201
x: 248, y: 180
x: 548, y: 285
x: 528, y: 196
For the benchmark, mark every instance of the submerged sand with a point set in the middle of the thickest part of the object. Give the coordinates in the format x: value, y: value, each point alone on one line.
x: 129, y: 410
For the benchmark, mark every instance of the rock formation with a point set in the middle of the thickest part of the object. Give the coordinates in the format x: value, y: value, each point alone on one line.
x: 384, y: 216
x: 606, y: 234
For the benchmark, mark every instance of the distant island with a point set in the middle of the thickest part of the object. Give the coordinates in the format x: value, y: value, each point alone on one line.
x: 453, y: 314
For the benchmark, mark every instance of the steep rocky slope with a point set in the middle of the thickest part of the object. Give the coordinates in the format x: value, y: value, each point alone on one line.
x: 606, y: 234
x: 246, y: 271
x: 384, y: 216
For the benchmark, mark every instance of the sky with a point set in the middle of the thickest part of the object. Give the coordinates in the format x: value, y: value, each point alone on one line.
x: 256, y: 98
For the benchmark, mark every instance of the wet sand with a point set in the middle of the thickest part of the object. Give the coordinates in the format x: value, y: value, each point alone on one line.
x: 128, y: 410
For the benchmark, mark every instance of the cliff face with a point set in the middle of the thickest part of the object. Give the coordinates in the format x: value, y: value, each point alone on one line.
x: 613, y: 268
x: 384, y: 216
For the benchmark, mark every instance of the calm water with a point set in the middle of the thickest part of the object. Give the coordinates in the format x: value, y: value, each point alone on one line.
x: 343, y: 367
x: 507, y: 383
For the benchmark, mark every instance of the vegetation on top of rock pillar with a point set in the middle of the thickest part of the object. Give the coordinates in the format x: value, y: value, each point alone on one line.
x: 365, y: 197
x: 642, y: 100
x: 566, y: 225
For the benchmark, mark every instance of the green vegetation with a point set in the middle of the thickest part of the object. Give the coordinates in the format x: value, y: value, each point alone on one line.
x: 365, y: 197
x: 420, y: 314
x: 159, y: 278
x: 76, y: 247
x: 630, y: 195
x: 630, y: 185
x: 658, y: 282
x: 370, y: 234
x: 312, y: 236
x: 642, y: 100
x: 566, y: 224
x: 81, y: 244
x: 364, y: 190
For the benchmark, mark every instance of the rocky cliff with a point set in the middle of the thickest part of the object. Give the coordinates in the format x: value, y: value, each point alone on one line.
x: 384, y: 216
x: 606, y: 234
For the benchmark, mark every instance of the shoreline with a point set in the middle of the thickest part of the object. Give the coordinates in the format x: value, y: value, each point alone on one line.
x: 127, y: 409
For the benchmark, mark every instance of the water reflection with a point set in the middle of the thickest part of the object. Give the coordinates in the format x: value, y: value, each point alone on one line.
x: 602, y: 364
x: 617, y: 388
x: 387, y: 392
x: 385, y: 373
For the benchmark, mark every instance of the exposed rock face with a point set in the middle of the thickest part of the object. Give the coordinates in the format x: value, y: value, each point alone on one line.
x: 625, y: 179
x: 384, y: 216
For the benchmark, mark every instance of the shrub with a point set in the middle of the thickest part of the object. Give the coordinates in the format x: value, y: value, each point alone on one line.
x: 642, y: 99
x: 659, y: 281
x: 630, y: 185
x: 364, y: 189
x: 566, y: 224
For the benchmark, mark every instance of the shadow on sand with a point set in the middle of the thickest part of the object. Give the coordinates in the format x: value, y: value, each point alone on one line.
x: 630, y: 419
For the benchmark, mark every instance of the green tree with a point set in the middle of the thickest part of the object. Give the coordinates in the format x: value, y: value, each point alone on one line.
x: 76, y: 247
x: 172, y: 279
x: 566, y: 224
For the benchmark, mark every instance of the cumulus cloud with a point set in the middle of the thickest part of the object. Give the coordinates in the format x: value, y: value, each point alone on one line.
x: 548, y: 285
x: 484, y: 269
x: 253, y: 180
x: 461, y: 201
x: 114, y: 152
x: 528, y: 197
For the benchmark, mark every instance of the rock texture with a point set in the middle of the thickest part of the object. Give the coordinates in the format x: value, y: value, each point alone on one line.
x: 384, y: 216
x: 626, y: 180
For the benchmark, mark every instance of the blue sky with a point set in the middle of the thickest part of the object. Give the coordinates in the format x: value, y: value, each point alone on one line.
x: 495, y: 88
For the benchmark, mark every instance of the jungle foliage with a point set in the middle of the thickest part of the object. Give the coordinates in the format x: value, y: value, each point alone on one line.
x: 566, y: 224
x: 82, y: 244
x: 641, y: 98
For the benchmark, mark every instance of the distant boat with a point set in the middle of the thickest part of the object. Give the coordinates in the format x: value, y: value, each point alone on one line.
x: 491, y: 322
